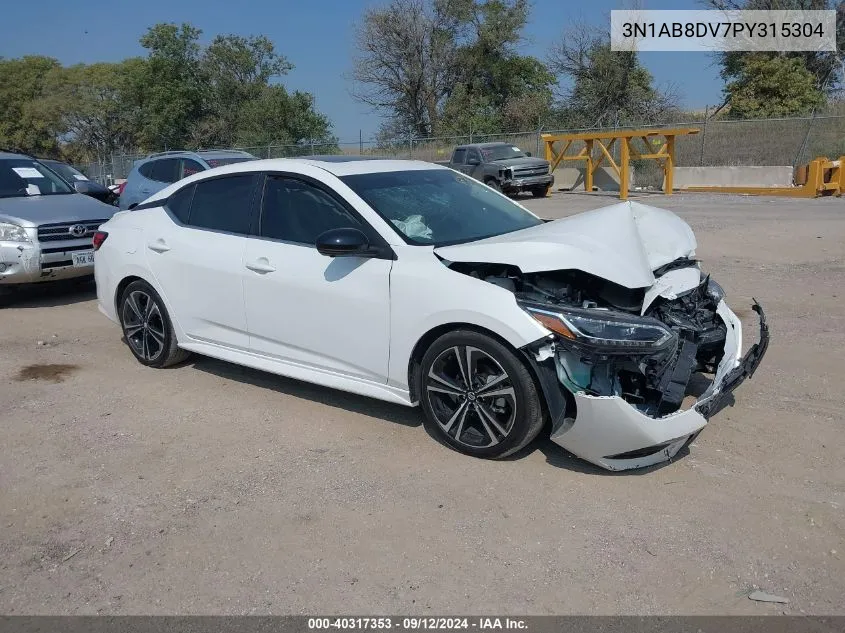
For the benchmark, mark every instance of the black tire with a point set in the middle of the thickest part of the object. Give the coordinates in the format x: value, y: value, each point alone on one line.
x: 540, y: 192
x: 147, y: 328
x: 500, y: 414
x: 493, y: 184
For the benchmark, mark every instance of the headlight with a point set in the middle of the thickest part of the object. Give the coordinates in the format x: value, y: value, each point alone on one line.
x: 12, y: 233
x: 715, y: 291
x: 610, y: 331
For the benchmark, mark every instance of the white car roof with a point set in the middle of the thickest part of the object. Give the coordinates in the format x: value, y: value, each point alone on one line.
x: 337, y: 165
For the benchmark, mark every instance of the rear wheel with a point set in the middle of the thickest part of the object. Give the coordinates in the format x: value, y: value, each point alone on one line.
x: 147, y: 328
x: 477, y: 396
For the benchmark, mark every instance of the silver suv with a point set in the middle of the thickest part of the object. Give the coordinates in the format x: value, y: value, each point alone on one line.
x: 46, y: 228
x: 153, y: 173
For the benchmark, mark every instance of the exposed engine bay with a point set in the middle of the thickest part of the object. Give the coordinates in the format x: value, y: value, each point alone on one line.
x: 610, y: 340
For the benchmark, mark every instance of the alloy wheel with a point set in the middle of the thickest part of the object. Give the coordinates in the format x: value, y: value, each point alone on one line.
x: 472, y: 396
x: 143, y: 325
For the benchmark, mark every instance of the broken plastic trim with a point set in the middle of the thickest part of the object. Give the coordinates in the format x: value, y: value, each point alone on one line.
x: 746, y: 368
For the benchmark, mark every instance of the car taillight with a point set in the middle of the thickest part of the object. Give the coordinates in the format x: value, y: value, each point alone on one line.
x: 99, y: 238
x: 121, y: 187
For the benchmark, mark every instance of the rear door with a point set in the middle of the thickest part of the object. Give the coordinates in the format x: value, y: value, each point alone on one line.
x: 196, y: 252
x: 330, y: 314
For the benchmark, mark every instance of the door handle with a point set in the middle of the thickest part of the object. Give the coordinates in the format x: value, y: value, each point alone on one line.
x: 261, y: 265
x: 159, y: 246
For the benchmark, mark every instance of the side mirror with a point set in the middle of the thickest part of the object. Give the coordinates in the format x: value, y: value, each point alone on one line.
x: 528, y: 153
x: 347, y: 242
x: 473, y: 161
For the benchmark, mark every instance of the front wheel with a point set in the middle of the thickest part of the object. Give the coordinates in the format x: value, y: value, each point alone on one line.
x: 477, y: 396
x: 147, y: 328
x: 540, y: 192
x: 494, y: 184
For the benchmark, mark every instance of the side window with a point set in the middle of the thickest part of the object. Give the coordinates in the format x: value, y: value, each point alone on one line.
x: 179, y: 203
x: 459, y: 156
x: 474, y: 156
x: 189, y: 168
x: 146, y: 170
x: 223, y: 204
x: 166, y: 170
x: 295, y: 211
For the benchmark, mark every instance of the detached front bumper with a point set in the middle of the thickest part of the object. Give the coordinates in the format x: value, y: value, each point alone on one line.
x: 613, y: 434
x: 529, y: 182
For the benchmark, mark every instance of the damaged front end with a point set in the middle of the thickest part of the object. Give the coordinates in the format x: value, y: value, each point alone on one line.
x: 630, y: 358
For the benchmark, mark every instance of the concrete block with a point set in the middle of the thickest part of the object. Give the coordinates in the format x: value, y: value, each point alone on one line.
x: 734, y: 176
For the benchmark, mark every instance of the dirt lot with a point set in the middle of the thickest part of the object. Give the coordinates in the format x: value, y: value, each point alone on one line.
x: 208, y: 488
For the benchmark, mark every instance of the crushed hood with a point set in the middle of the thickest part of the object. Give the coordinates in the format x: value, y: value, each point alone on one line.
x: 622, y: 243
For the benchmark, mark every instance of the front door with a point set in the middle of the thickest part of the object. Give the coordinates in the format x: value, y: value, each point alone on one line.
x: 331, y: 314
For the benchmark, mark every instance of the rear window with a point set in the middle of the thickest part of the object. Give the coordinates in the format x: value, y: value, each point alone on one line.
x: 223, y: 204
x: 166, y: 170
x: 179, y: 204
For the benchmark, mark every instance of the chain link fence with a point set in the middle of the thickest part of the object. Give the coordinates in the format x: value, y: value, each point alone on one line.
x: 720, y: 142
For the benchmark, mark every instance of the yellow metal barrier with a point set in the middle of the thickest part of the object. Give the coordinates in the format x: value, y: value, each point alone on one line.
x: 825, y: 177
x: 604, y: 141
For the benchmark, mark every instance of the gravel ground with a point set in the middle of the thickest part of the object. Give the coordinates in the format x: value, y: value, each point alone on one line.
x: 211, y: 489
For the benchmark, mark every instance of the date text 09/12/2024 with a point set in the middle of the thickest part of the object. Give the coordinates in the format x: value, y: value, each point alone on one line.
x: 416, y: 623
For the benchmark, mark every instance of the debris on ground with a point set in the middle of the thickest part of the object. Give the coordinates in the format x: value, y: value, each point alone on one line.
x: 762, y: 596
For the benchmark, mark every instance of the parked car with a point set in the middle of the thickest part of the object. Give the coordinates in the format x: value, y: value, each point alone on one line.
x: 80, y: 182
x: 411, y: 283
x: 504, y: 167
x: 156, y: 171
x: 46, y: 228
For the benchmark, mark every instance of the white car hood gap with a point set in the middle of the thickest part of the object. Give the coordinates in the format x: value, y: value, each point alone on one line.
x: 622, y: 243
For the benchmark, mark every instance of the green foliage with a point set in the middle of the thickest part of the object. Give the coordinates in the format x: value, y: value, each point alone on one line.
x: 180, y: 95
x: 767, y: 86
x: 27, y: 122
x: 749, y: 92
x: 441, y: 67
x: 608, y: 88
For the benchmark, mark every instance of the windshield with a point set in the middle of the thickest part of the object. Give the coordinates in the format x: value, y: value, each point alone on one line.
x: 439, y: 206
x: 65, y: 171
x: 501, y: 152
x: 22, y: 177
x: 219, y: 162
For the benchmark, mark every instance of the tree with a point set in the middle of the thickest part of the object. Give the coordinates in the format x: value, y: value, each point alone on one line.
x: 825, y: 67
x: 766, y: 86
x: 176, y: 87
x: 99, y: 105
x: 405, y: 61
x: 27, y: 122
x: 449, y: 67
x: 609, y: 88
x: 238, y: 70
x: 493, y: 83
x: 277, y: 117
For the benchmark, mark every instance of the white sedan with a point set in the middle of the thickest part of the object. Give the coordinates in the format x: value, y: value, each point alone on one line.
x: 412, y: 283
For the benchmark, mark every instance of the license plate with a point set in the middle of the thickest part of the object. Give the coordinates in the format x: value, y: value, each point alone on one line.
x: 85, y: 258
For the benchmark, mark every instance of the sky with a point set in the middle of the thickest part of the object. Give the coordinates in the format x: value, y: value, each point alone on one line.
x: 317, y: 37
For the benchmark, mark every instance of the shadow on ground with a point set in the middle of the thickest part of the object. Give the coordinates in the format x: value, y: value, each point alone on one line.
x: 48, y: 294
x: 324, y: 395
